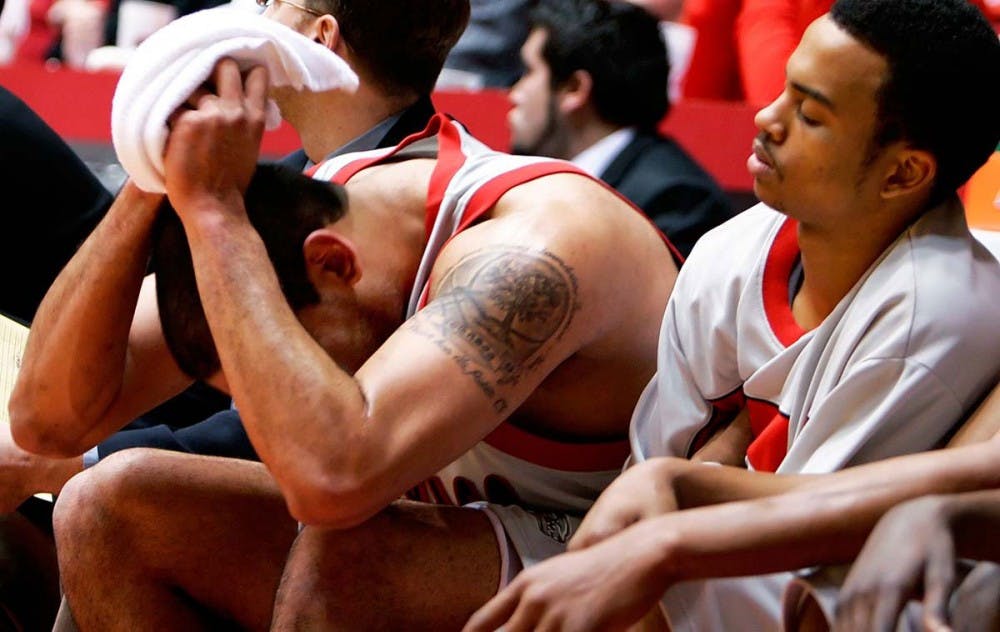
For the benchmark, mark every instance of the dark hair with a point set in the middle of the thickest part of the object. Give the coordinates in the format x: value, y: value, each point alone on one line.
x: 943, y: 81
x: 619, y: 44
x: 402, y: 44
x: 285, y: 207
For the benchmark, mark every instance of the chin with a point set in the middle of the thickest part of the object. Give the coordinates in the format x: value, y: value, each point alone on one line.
x: 767, y: 196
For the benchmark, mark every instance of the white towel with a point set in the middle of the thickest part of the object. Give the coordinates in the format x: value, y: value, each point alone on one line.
x: 173, y: 62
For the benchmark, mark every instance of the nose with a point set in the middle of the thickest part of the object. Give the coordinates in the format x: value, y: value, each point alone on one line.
x: 770, y: 120
x: 515, y: 92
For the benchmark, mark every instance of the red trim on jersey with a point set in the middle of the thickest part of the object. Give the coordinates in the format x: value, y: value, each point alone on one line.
x: 487, y: 195
x: 352, y: 168
x: 557, y: 455
x: 450, y: 160
x: 777, y: 270
x: 431, y: 490
x: 770, y: 430
x: 723, y: 411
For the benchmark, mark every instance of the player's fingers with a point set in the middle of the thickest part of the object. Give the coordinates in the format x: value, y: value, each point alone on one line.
x: 227, y: 79
x: 888, y: 605
x: 496, y: 611
x: 200, y: 98
x: 525, y: 617
x: 181, y: 113
x: 939, y: 581
x: 853, y: 612
x: 256, y: 87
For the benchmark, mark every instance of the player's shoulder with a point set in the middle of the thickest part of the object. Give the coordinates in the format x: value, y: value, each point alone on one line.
x: 737, y: 242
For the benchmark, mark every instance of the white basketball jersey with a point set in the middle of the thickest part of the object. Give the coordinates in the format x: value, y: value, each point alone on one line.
x: 890, y: 371
x: 511, y: 465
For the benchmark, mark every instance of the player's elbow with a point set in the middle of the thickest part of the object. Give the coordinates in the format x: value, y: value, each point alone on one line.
x: 333, y: 502
x: 32, y: 435
x: 45, y: 424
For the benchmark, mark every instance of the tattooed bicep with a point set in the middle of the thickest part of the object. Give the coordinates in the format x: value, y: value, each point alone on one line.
x: 495, y: 311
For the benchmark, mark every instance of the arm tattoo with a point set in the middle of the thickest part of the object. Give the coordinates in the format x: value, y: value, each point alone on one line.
x: 494, y: 312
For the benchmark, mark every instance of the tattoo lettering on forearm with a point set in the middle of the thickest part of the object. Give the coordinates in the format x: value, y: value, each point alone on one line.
x: 495, y: 311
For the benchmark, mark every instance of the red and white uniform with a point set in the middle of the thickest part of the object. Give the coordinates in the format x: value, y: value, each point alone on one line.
x: 510, y: 467
x: 890, y: 371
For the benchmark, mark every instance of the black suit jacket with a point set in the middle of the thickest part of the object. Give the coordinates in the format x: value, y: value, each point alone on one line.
x: 51, y: 203
x: 659, y: 177
x: 222, y: 432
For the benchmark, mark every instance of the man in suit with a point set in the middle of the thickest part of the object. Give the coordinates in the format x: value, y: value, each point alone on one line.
x: 593, y: 92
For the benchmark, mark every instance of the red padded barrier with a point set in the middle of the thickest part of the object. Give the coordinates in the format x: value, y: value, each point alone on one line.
x: 78, y: 105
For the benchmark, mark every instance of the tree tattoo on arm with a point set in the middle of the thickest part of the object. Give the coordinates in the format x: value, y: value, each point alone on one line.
x: 495, y: 311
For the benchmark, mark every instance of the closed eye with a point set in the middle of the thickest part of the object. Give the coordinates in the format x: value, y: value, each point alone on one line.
x: 810, y: 122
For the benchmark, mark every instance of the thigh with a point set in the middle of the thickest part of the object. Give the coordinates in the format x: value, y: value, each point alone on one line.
x: 216, y: 530
x: 414, y: 565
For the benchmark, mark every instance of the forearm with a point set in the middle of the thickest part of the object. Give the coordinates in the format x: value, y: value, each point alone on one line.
x: 76, y: 353
x: 824, y: 520
x: 299, y: 408
x: 782, y: 533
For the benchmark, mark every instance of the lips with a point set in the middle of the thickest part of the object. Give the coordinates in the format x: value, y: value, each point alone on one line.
x: 761, y: 154
x: 761, y: 164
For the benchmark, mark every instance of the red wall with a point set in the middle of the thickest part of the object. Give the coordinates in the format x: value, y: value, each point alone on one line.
x: 78, y: 105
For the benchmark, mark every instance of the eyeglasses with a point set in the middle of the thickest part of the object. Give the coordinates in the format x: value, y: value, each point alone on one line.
x: 301, y: 7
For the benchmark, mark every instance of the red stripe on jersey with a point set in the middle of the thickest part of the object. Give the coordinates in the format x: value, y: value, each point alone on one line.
x: 770, y: 430
x: 431, y: 490
x: 723, y: 411
x: 352, y: 168
x: 777, y: 270
x: 450, y: 160
x: 556, y: 455
x: 486, y: 196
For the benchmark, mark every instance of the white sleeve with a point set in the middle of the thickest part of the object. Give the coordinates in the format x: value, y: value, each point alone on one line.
x: 697, y: 382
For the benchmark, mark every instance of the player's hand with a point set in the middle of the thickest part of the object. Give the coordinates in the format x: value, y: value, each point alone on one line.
x: 911, y: 551
x: 214, y: 142
x: 23, y: 474
x: 609, y: 586
x: 642, y: 491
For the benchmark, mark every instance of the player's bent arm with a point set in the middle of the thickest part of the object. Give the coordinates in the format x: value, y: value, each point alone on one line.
x: 342, y: 447
x: 88, y: 369
x: 670, y: 484
x: 825, y: 520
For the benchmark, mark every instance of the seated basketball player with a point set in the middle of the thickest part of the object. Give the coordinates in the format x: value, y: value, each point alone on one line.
x: 531, y: 331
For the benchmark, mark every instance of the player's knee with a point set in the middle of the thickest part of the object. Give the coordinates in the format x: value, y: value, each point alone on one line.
x: 109, y: 492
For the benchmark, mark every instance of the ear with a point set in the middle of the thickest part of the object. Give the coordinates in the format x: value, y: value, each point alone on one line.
x: 329, y: 253
x: 327, y: 32
x: 574, y: 94
x: 913, y: 169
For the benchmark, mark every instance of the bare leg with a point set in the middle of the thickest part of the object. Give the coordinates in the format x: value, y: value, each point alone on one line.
x: 152, y: 540
x: 413, y: 566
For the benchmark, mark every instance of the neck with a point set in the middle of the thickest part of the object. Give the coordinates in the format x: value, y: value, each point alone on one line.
x: 587, y: 133
x: 391, y: 261
x: 326, y: 121
x: 835, y: 259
